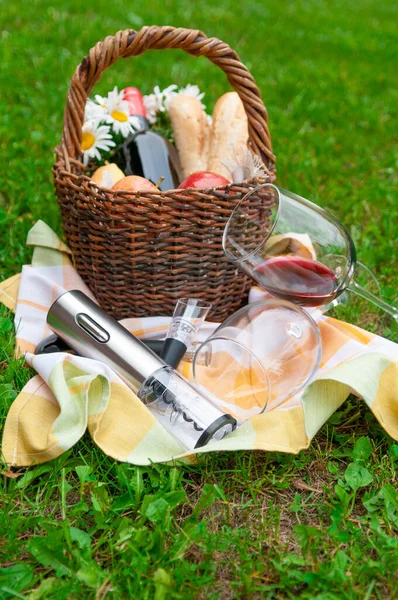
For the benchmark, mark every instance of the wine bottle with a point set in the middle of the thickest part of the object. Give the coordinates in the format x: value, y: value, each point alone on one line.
x: 147, y: 153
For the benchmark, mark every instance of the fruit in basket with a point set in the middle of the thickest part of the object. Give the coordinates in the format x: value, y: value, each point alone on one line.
x: 203, y: 180
x: 107, y: 175
x: 134, y: 183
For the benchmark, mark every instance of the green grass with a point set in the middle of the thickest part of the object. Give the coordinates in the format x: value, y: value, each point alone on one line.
x: 322, y: 524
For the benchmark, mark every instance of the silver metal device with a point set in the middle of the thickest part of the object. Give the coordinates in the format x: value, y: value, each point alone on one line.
x: 94, y: 334
x: 185, y: 411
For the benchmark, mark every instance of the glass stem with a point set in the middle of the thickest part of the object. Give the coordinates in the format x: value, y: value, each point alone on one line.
x: 360, y: 291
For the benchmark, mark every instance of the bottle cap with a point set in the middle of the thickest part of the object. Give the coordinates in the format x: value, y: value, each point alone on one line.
x: 133, y: 97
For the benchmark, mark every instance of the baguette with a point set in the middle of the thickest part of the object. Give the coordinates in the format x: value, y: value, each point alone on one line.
x: 229, y: 132
x: 191, y: 133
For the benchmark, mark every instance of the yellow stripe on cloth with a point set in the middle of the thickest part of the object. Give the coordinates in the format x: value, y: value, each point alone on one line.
x: 281, y: 430
x: 385, y: 405
x: 9, y: 291
x: 128, y: 432
x: 28, y: 436
x: 325, y: 395
x: 154, y: 445
x: 123, y: 425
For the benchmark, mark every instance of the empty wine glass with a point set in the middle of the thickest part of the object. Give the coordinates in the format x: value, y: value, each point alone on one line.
x: 293, y: 248
x: 284, y: 340
x: 235, y: 377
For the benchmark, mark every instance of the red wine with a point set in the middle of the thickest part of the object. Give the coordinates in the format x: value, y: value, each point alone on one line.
x: 147, y: 153
x: 300, y: 280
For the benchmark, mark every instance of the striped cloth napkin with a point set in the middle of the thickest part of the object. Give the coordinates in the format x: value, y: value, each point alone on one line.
x: 70, y: 394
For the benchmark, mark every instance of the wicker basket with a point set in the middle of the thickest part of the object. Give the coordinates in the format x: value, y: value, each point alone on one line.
x: 140, y: 252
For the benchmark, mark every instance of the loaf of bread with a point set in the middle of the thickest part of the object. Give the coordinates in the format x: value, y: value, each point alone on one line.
x: 191, y: 133
x: 229, y: 132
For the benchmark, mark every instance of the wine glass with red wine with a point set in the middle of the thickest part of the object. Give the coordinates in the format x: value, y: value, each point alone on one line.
x: 293, y: 248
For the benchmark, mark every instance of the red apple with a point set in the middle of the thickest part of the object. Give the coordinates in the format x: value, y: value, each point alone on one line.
x: 134, y: 183
x: 203, y: 179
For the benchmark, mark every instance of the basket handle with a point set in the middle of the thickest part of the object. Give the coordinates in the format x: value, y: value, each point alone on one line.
x: 132, y: 43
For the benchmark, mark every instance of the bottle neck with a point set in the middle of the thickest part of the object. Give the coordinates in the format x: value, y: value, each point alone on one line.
x: 143, y: 123
x: 136, y: 106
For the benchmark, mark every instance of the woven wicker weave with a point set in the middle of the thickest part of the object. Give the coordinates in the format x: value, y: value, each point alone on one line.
x: 140, y: 252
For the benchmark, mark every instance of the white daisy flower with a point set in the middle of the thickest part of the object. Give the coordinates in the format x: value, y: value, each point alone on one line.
x: 93, y: 111
x: 117, y: 114
x: 95, y: 137
x: 193, y: 90
x: 167, y: 94
x: 158, y: 101
x: 152, y: 107
x: 100, y: 100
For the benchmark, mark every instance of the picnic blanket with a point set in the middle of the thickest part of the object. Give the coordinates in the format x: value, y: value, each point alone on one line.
x: 71, y: 394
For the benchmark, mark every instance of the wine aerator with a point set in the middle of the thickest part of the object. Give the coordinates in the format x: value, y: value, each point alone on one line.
x: 189, y: 315
x: 189, y: 415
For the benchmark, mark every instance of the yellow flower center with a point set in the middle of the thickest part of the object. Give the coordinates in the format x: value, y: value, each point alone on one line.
x: 88, y: 139
x: 119, y: 116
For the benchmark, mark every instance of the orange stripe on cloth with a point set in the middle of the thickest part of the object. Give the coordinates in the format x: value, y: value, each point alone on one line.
x: 79, y: 388
x: 142, y: 332
x: 332, y: 340
x: 34, y: 305
x: 353, y: 332
x: 22, y: 346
